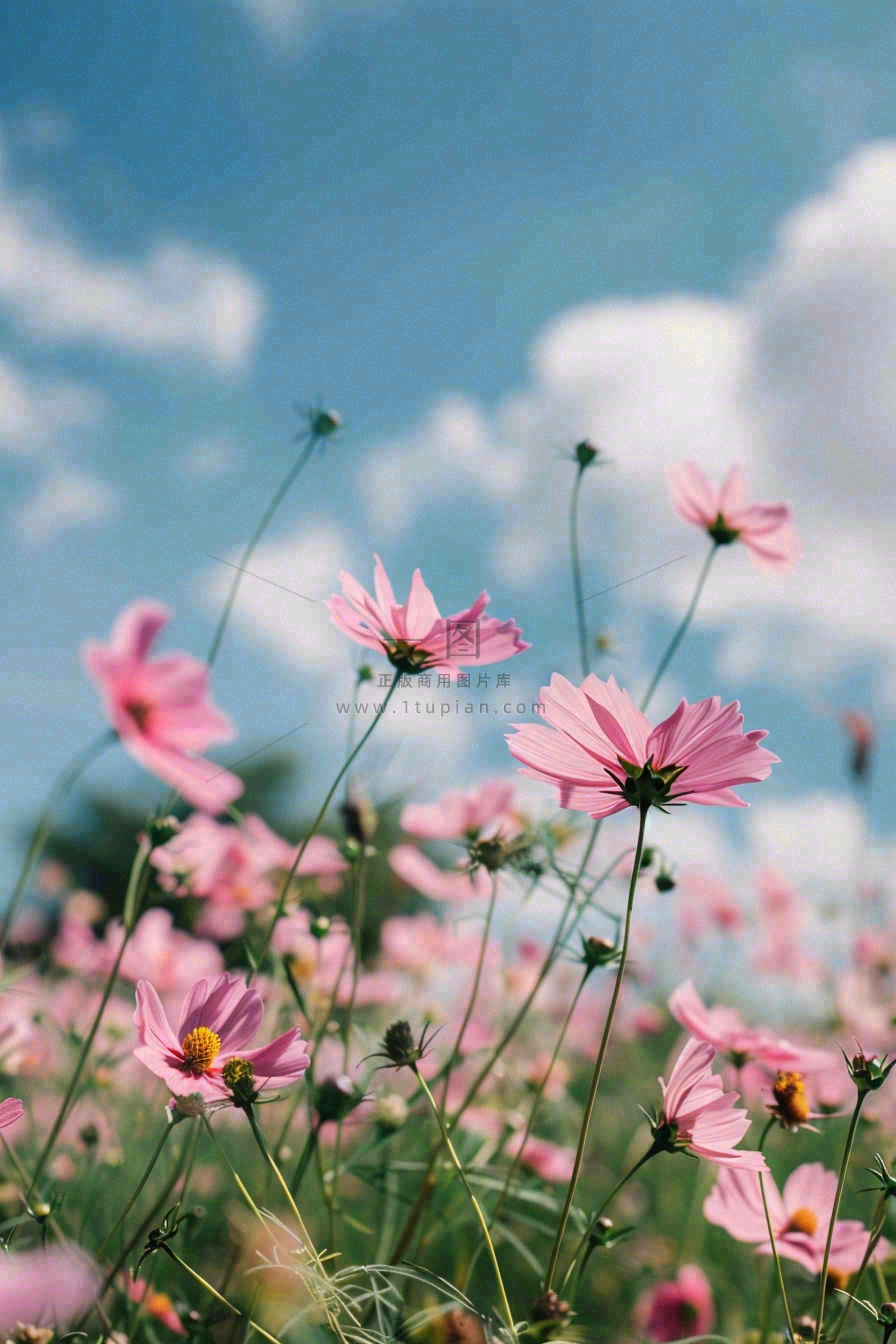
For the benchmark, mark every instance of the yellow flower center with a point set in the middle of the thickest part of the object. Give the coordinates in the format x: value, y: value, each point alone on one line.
x: 803, y: 1220
x: 200, y: 1049
x: 790, y: 1095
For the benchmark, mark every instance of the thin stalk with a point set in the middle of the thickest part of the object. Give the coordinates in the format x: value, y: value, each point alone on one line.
x: 576, y: 561
x: 459, y: 1168
x: 55, y: 798
x: 132, y: 909
x: 137, y: 1192
x: 877, y: 1227
x: 474, y: 991
x: 765, y: 1305
x: 284, y: 890
x: 841, y: 1181
x: 253, y: 1325
x: 536, y: 1102
x: 304, y: 1159
x: 682, y: 629
x: 598, y: 1068
x: 780, y: 1272
x: 262, y: 527
x: 624, y: 1180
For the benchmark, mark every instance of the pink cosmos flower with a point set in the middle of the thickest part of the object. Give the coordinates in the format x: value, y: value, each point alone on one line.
x: 413, y: 867
x: 236, y: 868
x: 218, y: 1020
x: 550, y: 1161
x: 602, y: 754
x: 48, y: 1287
x: 161, y: 707
x: 799, y: 1217
x: 456, y: 816
x: 725, y: 1029
x: 11, y: 1110
x: 156, y: 1304
x: 416, y: 635
x: 701, y: 1115
x: 679, y: 1308
x: 765, y: 529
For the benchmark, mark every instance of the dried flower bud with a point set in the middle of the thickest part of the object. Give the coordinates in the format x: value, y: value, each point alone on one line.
x: 336, y: 1097
x: 391, y: 1111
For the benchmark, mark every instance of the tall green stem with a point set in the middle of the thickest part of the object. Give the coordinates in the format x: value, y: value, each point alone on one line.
x: 779, y: 1270
x: 577, y: 572
x: 56, y: 797
x: 137, y: 1192
x: 841, y: 1181
x: 263, y: 524
x: 682, y: 629
x: 284, y: 890
x: 598, y: 1068
x: 623, y: 1180
x: 877, y: 1227
x: 459, y: 1168
x: 252, y: 1325
x: 474, y: 990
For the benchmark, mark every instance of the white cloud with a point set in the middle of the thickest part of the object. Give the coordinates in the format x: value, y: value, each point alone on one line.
x: 174, y: 301
x: 208, y: 459
x: 33, y: 413
x: 43, y: 128
x: 795, y: 378
x: 66, y: 498
x: 286, y: 23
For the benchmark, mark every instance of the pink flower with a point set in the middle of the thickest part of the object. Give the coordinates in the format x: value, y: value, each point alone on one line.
x: 416, y: 635
x: 725, y: 1029
x: 764, y: 529
x: 456, y: 816
x: 677, y: 1309
x: 11, y: 1110
x: 161, y: 708
x: 602, y: 754
x: 799, y: 1218
x: 550, y: 1161
x: 218, y: 1020
x: 424, y: 876
x: 701, y: 1116
x: 156, y: 1304
x: 51, y: 1287
x: 707, y: 902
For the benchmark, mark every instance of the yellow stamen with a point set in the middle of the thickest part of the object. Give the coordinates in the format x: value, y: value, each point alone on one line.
x: 803, y: 1220
x: 200, y: 1049
x: 790, y: 1095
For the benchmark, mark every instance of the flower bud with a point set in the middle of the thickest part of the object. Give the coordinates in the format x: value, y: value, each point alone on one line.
x: 391, y: 1111
x: 239, y: 1075
x: 586, y: 453
x: 336, y: 1097
x: 319, y: 926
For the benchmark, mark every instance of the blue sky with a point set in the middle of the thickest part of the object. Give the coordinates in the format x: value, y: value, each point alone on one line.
x: 447, y: 220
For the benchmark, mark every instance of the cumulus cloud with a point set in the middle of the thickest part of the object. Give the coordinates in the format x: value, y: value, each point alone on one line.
x: 174, y: 301
x: 34, y: 412
x: 65, y: 499
x: 795, y: 377
x: 285, y: 23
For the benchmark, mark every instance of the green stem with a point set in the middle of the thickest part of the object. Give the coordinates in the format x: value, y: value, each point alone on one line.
x: 474, y: 991
x: 284, y: 890
x: 765, y: 1305
x: 577, y: 572
x: 780, y: 1272
x: 137, y: 1192
x: 305, y: 1158
x: 877, y: 1227
x: 132, y: 909
x: 253, y: 1325
x: 682, y: 629
x: 56, y: 797
x: 598, y: 1068
x: 841, y: 1181
x: 459, y: 1168
x: 264, y: 523
x: 536, y: 1102
x: 624, y: 1180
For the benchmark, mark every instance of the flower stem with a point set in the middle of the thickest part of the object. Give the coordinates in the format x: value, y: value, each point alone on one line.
x: 474, y: 990
x: 136, y: 1195
x: 536, y: 1102
x: 841, y: 1181
x: 877, y: 1227
x: 253, y: 1325
x: 576, y: 561
x: 261, y: 528
x: 624, y: 1180
x: 771, y: 1237
x: 133, y: 898
x: 598, y: 1068
x: 284, y: 890
x: 459, y: 1168
x: 682, y: 629
x: 56, y: 797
